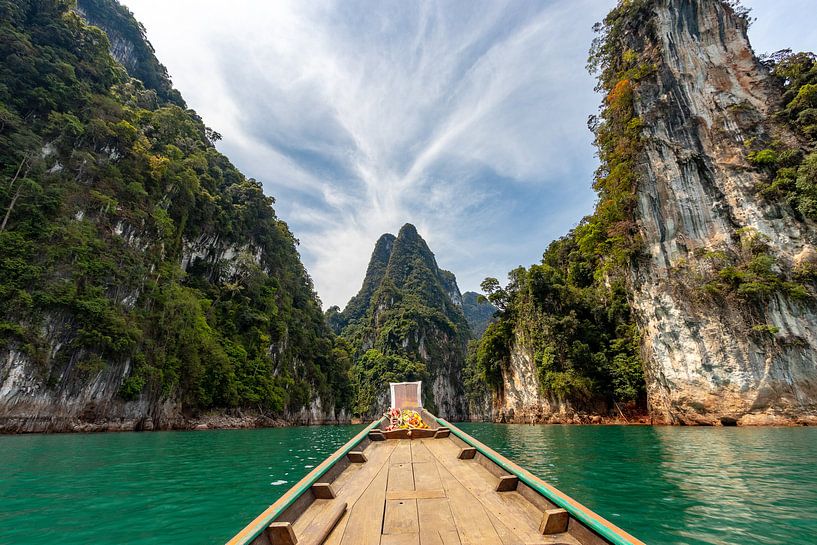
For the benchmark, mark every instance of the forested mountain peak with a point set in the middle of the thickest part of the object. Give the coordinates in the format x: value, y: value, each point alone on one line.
x: 405, y: 323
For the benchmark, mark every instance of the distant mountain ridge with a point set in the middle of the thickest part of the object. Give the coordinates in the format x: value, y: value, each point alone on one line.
x: 478, y: 313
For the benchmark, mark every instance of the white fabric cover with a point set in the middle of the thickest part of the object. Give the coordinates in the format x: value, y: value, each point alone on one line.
x: 406, y: 395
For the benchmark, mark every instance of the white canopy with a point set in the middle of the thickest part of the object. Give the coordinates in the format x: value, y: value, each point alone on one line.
x: 406, y: 395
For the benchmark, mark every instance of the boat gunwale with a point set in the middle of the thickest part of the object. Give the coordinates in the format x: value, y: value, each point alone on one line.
x: 271, y: 513
x: 592, y: 520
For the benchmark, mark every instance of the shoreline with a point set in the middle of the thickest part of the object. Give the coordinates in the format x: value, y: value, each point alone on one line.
x: 52, y: 425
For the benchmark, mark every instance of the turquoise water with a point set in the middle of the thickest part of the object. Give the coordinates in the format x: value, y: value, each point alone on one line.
x: 724, y: 486
x: 672, y: 485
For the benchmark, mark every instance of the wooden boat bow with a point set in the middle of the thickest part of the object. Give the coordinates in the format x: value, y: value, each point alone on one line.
x: 435, y: 486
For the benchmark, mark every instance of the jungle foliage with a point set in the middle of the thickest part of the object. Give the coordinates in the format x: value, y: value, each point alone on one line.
x: 106, y: 188
x: 571, y: 310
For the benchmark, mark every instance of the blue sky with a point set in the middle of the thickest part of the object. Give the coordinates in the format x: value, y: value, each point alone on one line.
x: 466, y: 118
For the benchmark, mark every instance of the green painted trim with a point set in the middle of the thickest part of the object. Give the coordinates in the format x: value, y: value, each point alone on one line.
x: 592, y: 522
x: 306, y: 483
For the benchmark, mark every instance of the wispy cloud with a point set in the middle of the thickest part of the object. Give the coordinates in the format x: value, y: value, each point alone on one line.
x: 466, y: 118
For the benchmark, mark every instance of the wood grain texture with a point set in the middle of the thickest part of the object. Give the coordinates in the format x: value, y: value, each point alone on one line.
x: 414, y: 494
x: 400, y: 517
x: 317, y: 532
x: 554, y: 521
x: 436, y: 522
x: 281, y: 533
x: 365, y: 519
x: 507, y: 483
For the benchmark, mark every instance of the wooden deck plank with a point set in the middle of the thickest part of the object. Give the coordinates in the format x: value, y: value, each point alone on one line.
x: 350, y: 490
x: 401, y: 477
x: 436, y: 522
x: 519, y: 518
x: 426, y: 476
x: 402, y: 454
x: 470, y: 519
x: 420, y: 453
x: 400, y: 539
x: 505, y: 534
x: 365, y: 519
x: 415, y: 494
x: 349, y: 485
x: 400, y: 517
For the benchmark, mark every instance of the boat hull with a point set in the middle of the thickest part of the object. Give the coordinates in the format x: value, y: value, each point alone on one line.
x: 430, y: 486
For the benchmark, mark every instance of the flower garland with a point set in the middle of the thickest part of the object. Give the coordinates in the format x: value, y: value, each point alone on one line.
x: 404, y: 419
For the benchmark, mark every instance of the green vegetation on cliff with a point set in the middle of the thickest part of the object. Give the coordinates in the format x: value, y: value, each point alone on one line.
x: 128, y: 240
x: 479, y: 312
x: 571, y: 310
x: 404, y: 324
x: 792, y: 166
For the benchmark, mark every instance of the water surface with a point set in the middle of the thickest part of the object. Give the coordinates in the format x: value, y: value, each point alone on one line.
x: 676, y: 485
x: 724, y: 486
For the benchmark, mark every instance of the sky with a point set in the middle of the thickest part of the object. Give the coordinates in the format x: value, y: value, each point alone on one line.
x: 466, y: 118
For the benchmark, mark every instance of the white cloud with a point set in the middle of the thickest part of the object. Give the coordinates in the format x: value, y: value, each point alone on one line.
x: 466, y: 118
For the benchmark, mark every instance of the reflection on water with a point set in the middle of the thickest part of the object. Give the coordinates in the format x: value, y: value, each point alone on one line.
x: 724, y: 486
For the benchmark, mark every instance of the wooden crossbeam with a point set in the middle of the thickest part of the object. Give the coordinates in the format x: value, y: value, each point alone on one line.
x: 281, y: 533
x: 554, y: 521
x: 507, y: 483
x: 317, y: 532
x: 323, y: 491
x: 467, y: 453
x: 376, y: 435
x: 442, y: 433
x: 356, y: 457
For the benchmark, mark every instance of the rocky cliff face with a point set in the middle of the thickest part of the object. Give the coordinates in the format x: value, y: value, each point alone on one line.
x: 145, y: 283
x: 710, y: 356
x: 129, y: 46
x: 410, y: 308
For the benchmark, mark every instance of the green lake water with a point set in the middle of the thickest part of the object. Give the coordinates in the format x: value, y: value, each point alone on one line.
x: 665, y: 485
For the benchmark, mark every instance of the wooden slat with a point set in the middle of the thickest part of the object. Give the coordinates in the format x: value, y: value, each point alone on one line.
x: 517, y: 514
x: 420, y: 453
x: 400, y: 539
x: 402, y: 454
x: 401, y: 477
x: 470, y: 518
x: 426, y: 476
x: 317, y: 532
x: 414, y: 494
x: 363, y: 523
x: 400, y: 517
x: 349, y: 485
x: 351, y: 490
x: 436, y: 523
x: 505, y: 533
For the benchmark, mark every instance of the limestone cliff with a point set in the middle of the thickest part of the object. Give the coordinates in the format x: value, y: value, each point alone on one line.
x: 145, y: 282
x: 745, y: 351
x: 690, y: 291
x: 406, y: 323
